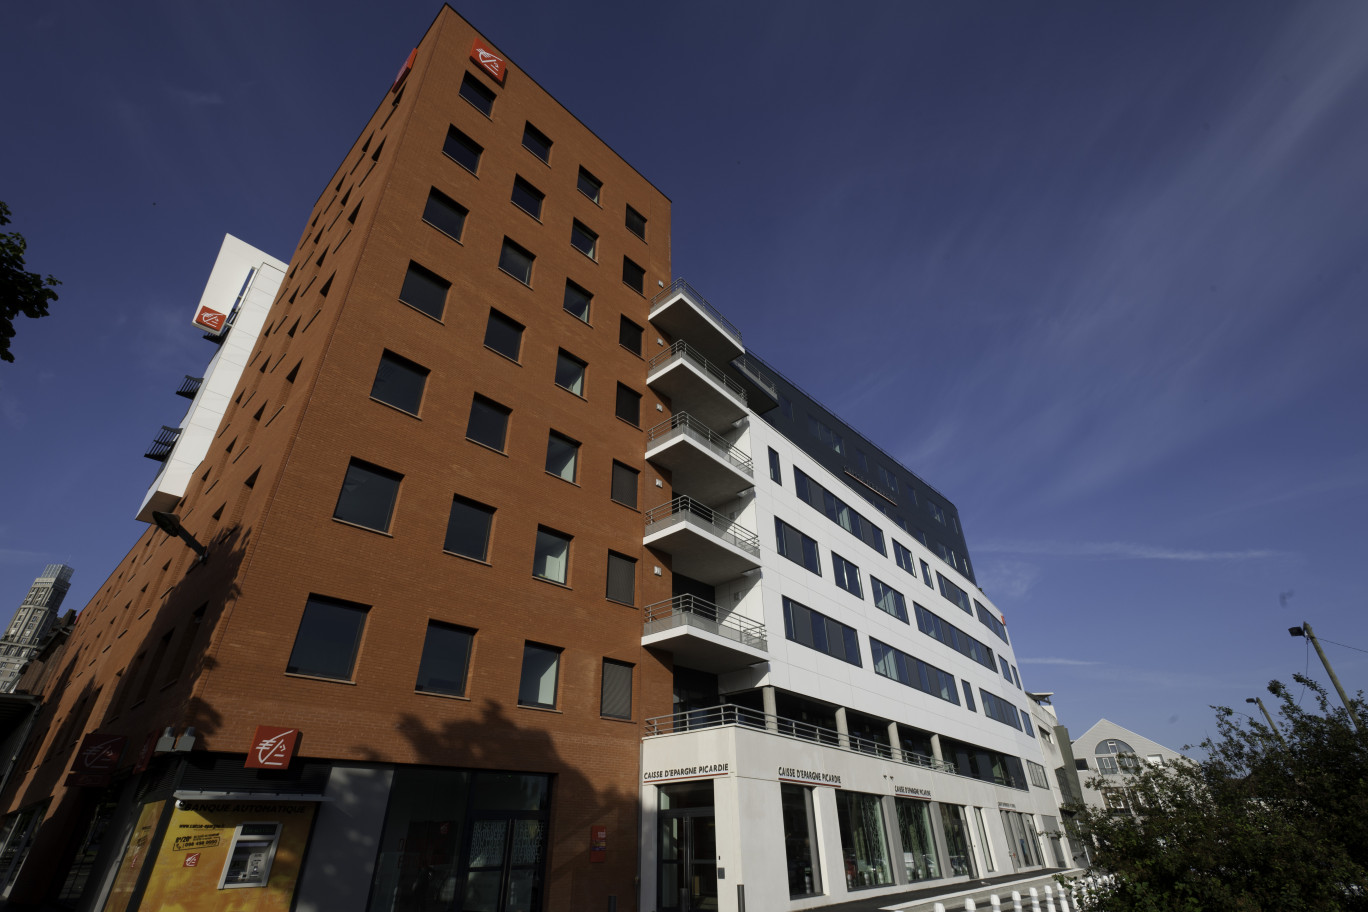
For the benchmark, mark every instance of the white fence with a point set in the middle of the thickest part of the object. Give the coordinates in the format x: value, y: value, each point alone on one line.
x: 1078, y: 897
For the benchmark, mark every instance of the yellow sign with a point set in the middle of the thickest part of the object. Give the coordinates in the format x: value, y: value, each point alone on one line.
x: 200, y: 841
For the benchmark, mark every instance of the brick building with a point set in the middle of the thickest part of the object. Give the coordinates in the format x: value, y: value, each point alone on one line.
x: 467, y: 598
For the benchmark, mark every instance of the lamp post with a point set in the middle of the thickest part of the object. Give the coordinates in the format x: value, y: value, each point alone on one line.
x: 1305, y: 630
x: 1274, y: 728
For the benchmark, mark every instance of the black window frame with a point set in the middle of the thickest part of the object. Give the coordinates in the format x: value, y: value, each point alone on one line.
x: 444, y: 213
x: 624, y: 577
x: 359, y: 473
x: 478, y: 95
x: 490, y: 406
x: 611, y: 695
x: 630, y: 277
x: 437, y: 654
x: 466, y: 507
x: 419, y: 291
x: 403, y: 392
x: 629, y: 330
x: 510, y: 328
x: 520, y: 251
x: 582, y: 237
x: 531, y: 198
x: 619, y: 483
x: 555, y: 652
x: 801, y: 626
x: 455, y: 139
x: 628, y: 221
x: 563, y: 356
x: 574, y: 290
x: 846, y: 575
x: 356, y: 612
x: 634, y: 398
x: 542, y: 143
x: 585, y: 177
x: 554, y: 436
x: 808, y: 555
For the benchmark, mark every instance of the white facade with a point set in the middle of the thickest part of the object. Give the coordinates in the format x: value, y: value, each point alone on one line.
x: 242, y: 284
x: 747, y: 752
x: 1105, y: 753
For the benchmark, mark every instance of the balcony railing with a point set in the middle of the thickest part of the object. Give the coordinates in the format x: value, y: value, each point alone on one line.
x: 684, y: 423
x: 692, y: 611
x: 164, y: 442
x: 752, y: 370
x: 731, y: 714
x: 679, y: 286
x: 189, y: 387
x: 682, y: 350
x: 868, y: 481
x: 689, y: 510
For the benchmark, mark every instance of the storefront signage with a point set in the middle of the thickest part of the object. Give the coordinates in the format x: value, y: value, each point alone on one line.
x: 489, y: 61
x: 792, y: 774
x: 98, y: 753
x: 907, y: 791
x: 1008, y: 805
x: 273, y: 747
x: 598, y: 843
x: 404, y: 70
x: 210, y: 319
x: 703, y: 771
x: 191, y: 860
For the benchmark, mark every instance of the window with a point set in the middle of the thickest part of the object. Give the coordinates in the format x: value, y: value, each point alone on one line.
x: 1017, y: 678
x: 936, y: 511
x: 625, y: 485
x: 796, y: 546
x: 488, y: 423
x: 629, y: 336
x: 921, y: 860
x: 475, y: 92
x: 535, y: 141
x: 552, y: 558
x: 516, y: 261
x: 897, y: 665
x: 577, y: 301
x: 399, y: 382
x: 952, y: 636
x: 446, y: 659
x: 540, y: 669
x: 993, y: 623
x: 888, y: 599
x: 615, y: 696
x: 826, y: 435
x: 776, y: 472
x: 503, y: 334
x: 926, y: 574
x: 846, y: 574
x: 583, y: 240
x: 837, y: 510
x: 816, y: 631
x: 562, y: 456
x: 1026, y: 723
x: 445, y: 214
x: 527, y: 198
x: 969, y: 696
x: 368, y: 495
x: 468, y: 528
x: 1006, y: 669
x: 570, y: 372
x: 636, y: 223
x: 633, y: 276
x: 954, y: 593
x: 463, y: 150
x: 424, y: 290
x: 589, y: 185
x: 621, y: 578
x: 328, y: 637
x: 629, y: 405
x: 904, y: 558
x: 888, y: 480
x: 864, y: 846
x: 995, y: 707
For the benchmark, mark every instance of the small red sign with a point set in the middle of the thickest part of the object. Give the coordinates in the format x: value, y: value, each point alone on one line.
x: 272, y: 747
x: 191, y: 860
x: 98, y: 753
x: 404, y: 70
x: 489, y: 61
x: 598, y: 843
x: 210, y: 319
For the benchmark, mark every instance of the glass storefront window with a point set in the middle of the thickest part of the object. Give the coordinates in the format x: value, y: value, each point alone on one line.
x: 919, y: 844
x: 957, y: 840
x: 800, y: 842
x: 987, y: 846
x: 863, y: 843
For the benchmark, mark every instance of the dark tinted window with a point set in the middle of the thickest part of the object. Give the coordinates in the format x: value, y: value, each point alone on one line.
x: 570, y: 372
x: 629, y: 405
x: 776, y: 473
x: 464, y: 150
x: 616, y: 696
x: 540, y: 671
x: 446, y: 659
x: 562, y: 456
x: 425, y: 290
x: 488, y: 423
x: 475, y: 92
x: 516, y: 261
x: 399, y: 382
x: 577, y: 301
x: 796, y: 546
x: 504, y: 335
x: 629, y: 336
x: 625, y: 484
x: 468, y: 527
x: 846, y: 574
x: 817, y: 631
x: 445, y: 214
x: 589, y: 185
x: 633, y: 276
x: 621, y: 578
x: 535, y: 141
x: 636, y: 223
x: 368, y: 495
x: 583, y: 240
x: 328, y: 636
x: 527, y: 197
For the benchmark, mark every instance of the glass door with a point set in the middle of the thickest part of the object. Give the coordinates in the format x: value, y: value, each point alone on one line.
x: 503, y: 863
x: 688, y: 860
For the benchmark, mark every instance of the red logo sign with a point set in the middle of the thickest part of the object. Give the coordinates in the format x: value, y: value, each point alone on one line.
x: 210, y: 319
x: 98, y: 753
x: 598, y: 843
x: 272, y: 747
x: 191, y: 860
x: 489, y: 61
x: 404, y: 70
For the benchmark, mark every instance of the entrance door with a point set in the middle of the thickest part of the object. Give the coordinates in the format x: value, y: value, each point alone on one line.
x: 504, y: 863
x: 688, y: 860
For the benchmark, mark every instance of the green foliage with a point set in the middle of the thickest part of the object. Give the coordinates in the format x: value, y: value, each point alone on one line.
x: 21, y: 292
x: 1263, y: 824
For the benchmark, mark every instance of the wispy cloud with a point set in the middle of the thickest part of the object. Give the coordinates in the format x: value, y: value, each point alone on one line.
x: 1054, y: 661
x: 1007, y: 578
x: 1124, y: 551
x: 20, y: 556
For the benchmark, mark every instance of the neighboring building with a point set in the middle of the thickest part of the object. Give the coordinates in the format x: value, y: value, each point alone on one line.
x: 32, y: 622
x: 526, y: 586
x: 1111, y: 752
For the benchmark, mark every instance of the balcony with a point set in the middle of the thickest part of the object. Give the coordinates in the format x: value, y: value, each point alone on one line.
x: 696, y: 385
x: 163, y: 444
x: 683, y: 313
x: 702, y: 544
x: 189, y: 388
x: 701, y: 635
x: 701, y: 462
x: 761, y: 392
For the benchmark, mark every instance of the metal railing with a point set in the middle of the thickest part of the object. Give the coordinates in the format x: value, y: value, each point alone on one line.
x: 189, y: 387
x: 684, y: 423
x: 163, y: 443
x: 692, y: 611
x: 686, y: 509
x: 868, y: 481
x: 761, y: 379
x: 679, y: 286
x: 682, y: 350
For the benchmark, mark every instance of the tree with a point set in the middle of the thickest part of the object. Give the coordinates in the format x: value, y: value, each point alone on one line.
x: 21, y: 292
x: 1261, y: 824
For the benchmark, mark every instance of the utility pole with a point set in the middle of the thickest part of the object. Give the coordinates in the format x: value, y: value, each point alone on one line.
x: 1305, y: 628
x: 1274, y: 728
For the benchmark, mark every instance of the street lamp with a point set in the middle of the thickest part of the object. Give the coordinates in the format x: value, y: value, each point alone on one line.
x: 1267, y: 716
x: 1305, y: 630
x: 170, y: 524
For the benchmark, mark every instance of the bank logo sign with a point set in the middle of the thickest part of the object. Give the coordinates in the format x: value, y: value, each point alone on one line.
x: 272, y: 747
x: 489, y: 61
x: 210, y: 319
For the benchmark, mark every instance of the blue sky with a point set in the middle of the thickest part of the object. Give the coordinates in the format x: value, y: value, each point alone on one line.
x: 1096, y: 271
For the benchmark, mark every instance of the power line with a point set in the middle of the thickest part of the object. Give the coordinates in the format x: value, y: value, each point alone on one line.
x: 1345, y: 645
